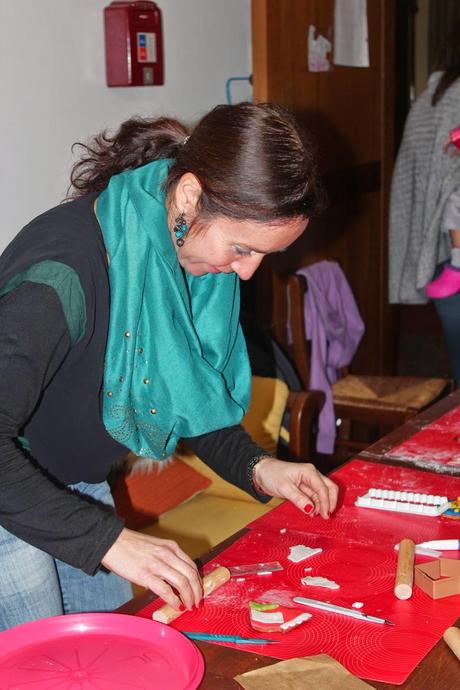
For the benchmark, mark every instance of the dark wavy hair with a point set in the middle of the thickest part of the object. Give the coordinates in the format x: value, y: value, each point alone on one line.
x: 448, y: 62
x: 253, y: 161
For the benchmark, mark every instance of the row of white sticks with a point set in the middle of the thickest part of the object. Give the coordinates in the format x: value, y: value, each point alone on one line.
x: 403, y: 502
x: 407, y: 496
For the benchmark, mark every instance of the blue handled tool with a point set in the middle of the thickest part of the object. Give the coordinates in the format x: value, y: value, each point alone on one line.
x: 236, y: 639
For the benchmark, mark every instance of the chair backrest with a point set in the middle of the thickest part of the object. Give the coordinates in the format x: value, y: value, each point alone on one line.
x: 288, y: 323
x: 299, y: 346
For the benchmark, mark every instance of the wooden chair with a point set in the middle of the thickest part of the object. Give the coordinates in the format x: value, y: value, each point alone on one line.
x: 304, y: 407
x: 384, y: 402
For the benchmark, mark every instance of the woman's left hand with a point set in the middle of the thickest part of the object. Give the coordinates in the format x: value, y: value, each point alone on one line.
x: 300, y: 483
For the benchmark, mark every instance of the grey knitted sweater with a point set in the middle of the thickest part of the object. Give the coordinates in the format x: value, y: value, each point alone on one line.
x: 423, y: 180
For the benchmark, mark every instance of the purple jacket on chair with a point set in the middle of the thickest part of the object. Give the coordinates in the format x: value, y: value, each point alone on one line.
x: 335, y: 328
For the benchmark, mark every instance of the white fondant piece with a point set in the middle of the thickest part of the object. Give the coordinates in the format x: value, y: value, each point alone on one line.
x: 300, y: 552
x: 294, y: 622
x: 267, y: 616
x: 319, y: 582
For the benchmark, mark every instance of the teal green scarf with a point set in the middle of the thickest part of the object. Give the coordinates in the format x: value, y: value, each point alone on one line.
x: 176, y: 361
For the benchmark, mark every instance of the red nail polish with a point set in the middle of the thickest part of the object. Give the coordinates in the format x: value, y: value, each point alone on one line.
x: 308, y: 508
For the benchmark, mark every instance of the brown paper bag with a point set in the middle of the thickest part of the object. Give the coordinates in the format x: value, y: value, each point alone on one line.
x: 324, y: 672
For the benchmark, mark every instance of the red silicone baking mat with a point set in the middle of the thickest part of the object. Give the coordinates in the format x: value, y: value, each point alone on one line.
x: 368, y: 525
x: 438, y: 444
x: 364, y: 573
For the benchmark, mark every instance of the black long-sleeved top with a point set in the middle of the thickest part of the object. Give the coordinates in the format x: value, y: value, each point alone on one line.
x: 45, y: 395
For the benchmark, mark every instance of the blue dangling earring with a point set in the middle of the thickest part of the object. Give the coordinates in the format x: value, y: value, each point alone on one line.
x: 180, y: 229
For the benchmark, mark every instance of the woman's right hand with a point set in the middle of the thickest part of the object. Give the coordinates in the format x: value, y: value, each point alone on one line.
x: 157, y: 564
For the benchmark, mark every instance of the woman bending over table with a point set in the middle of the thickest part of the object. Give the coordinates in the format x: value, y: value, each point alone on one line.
x: 120, y: 332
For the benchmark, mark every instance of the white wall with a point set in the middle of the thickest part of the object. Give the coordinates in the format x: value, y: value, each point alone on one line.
x: 53, y: 89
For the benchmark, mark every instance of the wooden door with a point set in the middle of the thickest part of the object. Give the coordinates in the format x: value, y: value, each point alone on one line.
x: 349, y: 111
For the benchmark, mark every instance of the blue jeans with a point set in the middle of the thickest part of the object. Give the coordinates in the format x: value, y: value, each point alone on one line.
x: 35, y: 585
x: 448, y: 309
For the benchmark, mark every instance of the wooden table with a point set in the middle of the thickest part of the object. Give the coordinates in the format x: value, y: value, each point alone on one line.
x: 439, y: 670
x: 377, y: 452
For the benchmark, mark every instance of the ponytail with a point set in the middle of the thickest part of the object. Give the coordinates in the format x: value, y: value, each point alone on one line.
x: 252, y: 160
x: 137, y: 142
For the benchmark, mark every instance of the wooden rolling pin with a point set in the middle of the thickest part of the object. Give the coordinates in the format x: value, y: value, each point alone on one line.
x: 211, y: 581
x: 405, y: 570
x: 452, y: 639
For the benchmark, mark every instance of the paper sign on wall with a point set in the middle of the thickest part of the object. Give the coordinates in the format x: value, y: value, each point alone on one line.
x: 351, y: 46
x: 318, y: 48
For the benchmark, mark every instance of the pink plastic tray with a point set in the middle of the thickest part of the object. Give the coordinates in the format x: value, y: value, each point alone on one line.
x: 98, y: 650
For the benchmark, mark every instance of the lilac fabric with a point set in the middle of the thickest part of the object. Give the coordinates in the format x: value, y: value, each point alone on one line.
x: 335, y: 328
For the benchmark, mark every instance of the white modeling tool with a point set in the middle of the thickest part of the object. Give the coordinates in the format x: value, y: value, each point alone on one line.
x: 443, y: 544
x: 404, y: 502
x: 333, y: 608
x: 422, y: 551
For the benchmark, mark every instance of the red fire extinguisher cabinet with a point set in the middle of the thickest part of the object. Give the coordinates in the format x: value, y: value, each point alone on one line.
x: 133, y: 44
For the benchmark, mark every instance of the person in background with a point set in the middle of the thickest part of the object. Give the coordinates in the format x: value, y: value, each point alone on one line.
x: 120, y: 332
x: 448, y: 281
x: 424, y: 232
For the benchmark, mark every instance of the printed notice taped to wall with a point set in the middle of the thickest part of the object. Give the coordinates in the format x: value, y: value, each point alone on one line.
x: 351, y: 47
x: 318, y: 48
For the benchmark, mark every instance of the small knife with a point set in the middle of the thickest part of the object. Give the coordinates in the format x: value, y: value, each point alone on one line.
x: 254, y: 569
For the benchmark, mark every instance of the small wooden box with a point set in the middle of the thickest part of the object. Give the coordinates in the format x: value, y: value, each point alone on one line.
x: 439, y: 578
